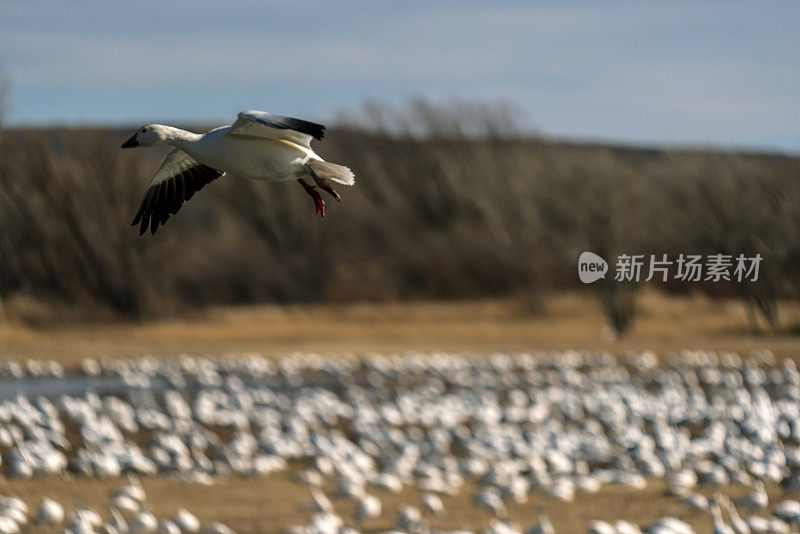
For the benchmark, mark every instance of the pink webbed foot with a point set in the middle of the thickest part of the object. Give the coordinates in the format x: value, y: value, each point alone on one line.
x: 319, y: 204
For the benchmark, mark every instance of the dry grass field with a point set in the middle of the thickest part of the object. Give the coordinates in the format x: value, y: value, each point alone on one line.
x: 573, y: 321
x: 264, y: 505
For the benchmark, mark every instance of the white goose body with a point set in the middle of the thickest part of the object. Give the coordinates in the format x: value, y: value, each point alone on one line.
x: 258, y: 145
x: 274, y: 160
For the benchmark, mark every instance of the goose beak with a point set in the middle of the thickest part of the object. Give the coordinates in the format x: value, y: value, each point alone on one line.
x: 131, y: 143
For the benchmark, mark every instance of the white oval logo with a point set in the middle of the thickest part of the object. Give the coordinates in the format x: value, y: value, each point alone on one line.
x: 591, y: 267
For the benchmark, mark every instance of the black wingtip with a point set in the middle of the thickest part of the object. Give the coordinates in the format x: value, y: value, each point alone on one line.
x: 164, y: 199
x: 315, y: 130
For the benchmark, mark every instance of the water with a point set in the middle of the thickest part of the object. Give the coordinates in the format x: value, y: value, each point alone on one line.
x: 32, y: 387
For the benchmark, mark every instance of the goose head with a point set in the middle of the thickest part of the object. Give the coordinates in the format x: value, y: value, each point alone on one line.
x: 148, y: 135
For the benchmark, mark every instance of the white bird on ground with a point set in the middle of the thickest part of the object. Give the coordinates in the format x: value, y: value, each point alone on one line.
x: 757, y: 500
x: 408, y: 518
x: 758, y: 524
x: 311, y: 477
x: 776, y: 526
x: 14, y: 503
x: 738, y: 524
x: 670, y: 525
x: 167, y: 527
x: 432, y: 503
x: 319, y: 501
x: 8, y: 526
x: 85, y: 516
x: 186, y: 521
x: 501, y: 527
x: 719, y: 525
x: 49, y: 512
x: 116, y: 524
x: 491, y: 500
x: 626, y: 527
x: 563, y: 490
x: 133, y: 490
x: 368, y: 507
x: 126, y: 504
x: 143, y: 523
x: 696, y: 501
x: 788, y: 510
x: 218, y: 528
x: 544, y: 526
x: 258, y: 145
x: 14, y: 509
x: 599, y: 527
x: 18, y: 515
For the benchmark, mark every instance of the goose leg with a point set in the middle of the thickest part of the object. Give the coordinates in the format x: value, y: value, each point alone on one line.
x: 323, y: 184
x: 319, y: 204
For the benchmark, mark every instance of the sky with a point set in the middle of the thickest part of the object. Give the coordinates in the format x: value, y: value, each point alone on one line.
x: 722, y: 73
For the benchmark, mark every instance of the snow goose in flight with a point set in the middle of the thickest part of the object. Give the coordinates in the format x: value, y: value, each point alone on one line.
x: 258, y: 145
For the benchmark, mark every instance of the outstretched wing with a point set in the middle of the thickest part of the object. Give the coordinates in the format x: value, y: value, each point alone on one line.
x: 178, y: 178
x: 269, y: 126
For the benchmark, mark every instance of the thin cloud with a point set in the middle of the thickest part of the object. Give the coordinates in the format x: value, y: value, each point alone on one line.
x: 677, y: 71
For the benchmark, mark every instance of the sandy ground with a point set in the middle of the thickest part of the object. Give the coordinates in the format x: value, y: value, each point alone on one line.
x: 264, y: 505
x: 267, y: 505
x: 575, y: 321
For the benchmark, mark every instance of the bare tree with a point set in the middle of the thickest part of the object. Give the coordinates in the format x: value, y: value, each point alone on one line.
x: 461, y: 209
x: 422, y: 118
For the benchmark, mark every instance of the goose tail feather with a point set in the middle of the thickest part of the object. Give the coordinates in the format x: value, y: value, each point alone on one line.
x: 333, y: 172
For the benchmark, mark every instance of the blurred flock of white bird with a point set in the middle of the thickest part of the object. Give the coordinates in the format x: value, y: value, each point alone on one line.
x: 510, y: 425
x: 127, y: 513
